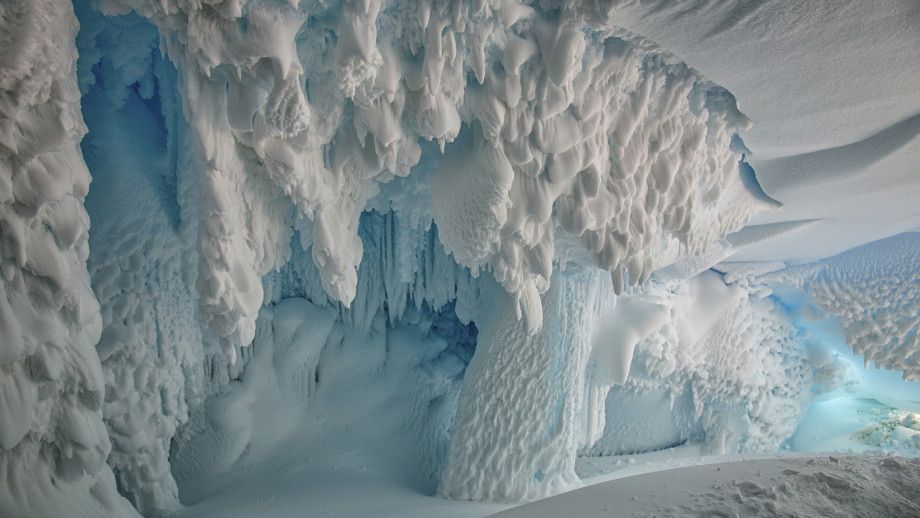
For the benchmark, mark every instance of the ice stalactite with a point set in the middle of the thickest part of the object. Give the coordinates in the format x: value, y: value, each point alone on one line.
x: 405, y: 273
x: 569, y: 123
x: 53, y: 443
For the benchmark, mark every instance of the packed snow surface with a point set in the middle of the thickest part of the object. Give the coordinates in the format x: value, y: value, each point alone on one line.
x: 831, y: 89
x: 847, y: 485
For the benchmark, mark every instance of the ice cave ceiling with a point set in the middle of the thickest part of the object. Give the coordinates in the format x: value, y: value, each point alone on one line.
x: 453, y: 246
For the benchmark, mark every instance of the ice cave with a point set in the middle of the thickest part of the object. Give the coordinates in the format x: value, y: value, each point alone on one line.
x: 459, y: 258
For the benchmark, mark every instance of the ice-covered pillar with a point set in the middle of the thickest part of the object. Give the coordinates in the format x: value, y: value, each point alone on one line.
x: 53, y: 443
x: 518, y: 426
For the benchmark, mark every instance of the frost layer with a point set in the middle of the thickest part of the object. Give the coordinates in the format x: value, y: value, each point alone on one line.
x: 541, y: 142
x: 558, y: 118
x: 720, y: 365
x: 872, y: 290
x: 53, y: 443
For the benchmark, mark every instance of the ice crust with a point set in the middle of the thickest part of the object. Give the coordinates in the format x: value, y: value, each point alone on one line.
x: 567, y: 122
x: 502, y: 215
x: 53, y: 442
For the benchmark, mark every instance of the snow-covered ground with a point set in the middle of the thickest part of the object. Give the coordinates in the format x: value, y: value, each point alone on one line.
x: 837, y: 485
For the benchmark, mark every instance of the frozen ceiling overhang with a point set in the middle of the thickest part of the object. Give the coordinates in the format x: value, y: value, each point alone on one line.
x: 536, y: 190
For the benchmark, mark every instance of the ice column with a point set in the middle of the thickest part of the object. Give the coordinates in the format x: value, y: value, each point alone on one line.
x: 518, y: 425
x: 53, y: 443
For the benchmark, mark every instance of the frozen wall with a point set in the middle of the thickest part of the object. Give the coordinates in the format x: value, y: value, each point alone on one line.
x: 152, y: 346
x: 53, y: 442
x: 334, y: 179
x: 720, y: 365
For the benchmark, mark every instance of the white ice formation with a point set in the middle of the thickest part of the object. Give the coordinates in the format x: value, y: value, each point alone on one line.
x: 567, y: 122
x: 511, y: 206
x: 874, y: 292
x: 720, y: 363
x: 53, y: 442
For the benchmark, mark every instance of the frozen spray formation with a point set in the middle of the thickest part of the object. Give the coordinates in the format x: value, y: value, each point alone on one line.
x: 567, y: 123
x: 503, y: 212
x: 53, y: 443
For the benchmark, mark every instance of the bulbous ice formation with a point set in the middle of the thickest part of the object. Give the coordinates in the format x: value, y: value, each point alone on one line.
x: 53, y: 443
x: 565, y: 122
x: 535, y: 143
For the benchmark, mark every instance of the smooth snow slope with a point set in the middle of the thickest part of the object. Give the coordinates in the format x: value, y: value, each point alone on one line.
x: 831, y: 89
x: 847, y: 485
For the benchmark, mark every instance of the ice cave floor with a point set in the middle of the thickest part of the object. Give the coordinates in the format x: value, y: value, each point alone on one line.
x: 674, y: 482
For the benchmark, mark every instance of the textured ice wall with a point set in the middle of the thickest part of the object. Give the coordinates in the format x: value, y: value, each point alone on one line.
x: 724, y: 366
x: 141, y: 262
x: 519, y: 422
x: 873, y: 291
x: 53, y: 443
x: 555, y: 114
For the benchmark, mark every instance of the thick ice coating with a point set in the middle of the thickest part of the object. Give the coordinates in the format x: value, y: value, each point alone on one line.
x: 494, y: 176
x: 561, y: 121
x: 53, y: 443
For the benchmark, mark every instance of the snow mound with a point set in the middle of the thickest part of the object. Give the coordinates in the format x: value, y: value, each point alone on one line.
x: 847, y: 485
x: 722, y: 366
